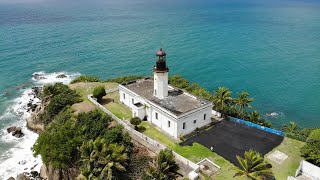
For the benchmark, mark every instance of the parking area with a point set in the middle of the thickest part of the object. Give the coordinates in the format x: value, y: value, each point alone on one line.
x: 229, y: 139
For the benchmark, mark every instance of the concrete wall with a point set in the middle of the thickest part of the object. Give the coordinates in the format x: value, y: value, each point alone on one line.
x: 309, y: 170
x: 190, y: 125
x: 161, y: 84
x: 163, y: 121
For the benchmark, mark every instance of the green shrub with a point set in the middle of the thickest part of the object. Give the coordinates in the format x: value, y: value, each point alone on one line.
x: 178, y: 81
x: 124, y: 79
x: 311, y: 151
x: 99, y: 92
x: 135, y: 121
x: 84, y: 78
x: 60, y: 96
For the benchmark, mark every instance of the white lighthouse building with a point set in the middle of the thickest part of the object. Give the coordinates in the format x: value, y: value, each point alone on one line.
x: 171, y: 109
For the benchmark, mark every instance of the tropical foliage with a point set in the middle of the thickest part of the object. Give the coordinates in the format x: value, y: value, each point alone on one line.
x: 101, y: 160
x: 311, y: 151
x: 222, y: 99
x: 59, y: 143
x: 135, y: 121
x: 83, y: 78
x: 253, y: 166
x: 242, y: 101
x: 99, y: 92
x: 59, y: 97
x: 290, y: 128
x: 178, y: 81
x: 163, y: 167
x: 124, y: 79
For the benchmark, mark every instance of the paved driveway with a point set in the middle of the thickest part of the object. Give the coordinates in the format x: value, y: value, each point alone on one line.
x: 229, y: 139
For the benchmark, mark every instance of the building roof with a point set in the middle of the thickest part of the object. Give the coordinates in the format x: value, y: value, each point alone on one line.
x: 176, y: 102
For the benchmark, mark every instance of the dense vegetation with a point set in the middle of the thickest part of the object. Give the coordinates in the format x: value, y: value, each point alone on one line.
x: 83, y: 78
x: 59, y: 97
x: 163, y: 167
x: 69, y: 140
x: 223, y: 101
x: 311, y: 151
x: 253, y: 166
x: 124, y: 79
x: 99, y: 92
x: 135, y: 121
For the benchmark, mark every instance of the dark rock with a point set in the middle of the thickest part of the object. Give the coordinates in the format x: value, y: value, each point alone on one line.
x: 11, y: 129
x: 38, y: 76
x: 22, y: 176
x: 22, y: 162
x: 18, y: 133
x: 11, y: 178
x: 33, y: 107
x: 34, y: 174
x: 37, y: 91
x: 61, y: 76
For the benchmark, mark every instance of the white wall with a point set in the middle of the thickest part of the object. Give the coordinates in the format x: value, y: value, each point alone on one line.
x: 176, y: 125
x: 161, y: 84
x: 162, y: 121
x: 198, y: 116
x: 309, y: 169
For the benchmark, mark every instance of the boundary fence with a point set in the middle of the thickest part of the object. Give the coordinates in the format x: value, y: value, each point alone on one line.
x: 145, y: 140
x: 250, y: 124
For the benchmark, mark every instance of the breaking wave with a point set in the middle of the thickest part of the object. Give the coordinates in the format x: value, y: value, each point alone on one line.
x: 15, y: 153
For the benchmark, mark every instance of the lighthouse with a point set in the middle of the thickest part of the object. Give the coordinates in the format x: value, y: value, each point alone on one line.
x: 160, y: 72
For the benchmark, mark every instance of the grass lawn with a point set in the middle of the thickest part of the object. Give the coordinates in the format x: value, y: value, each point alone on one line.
x: 116, y: 107
x: 84, y: 89
x: 291, y: 148
x: 195, y: 153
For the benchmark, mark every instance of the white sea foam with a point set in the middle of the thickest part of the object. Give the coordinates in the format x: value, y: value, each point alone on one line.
x: 19, y: 158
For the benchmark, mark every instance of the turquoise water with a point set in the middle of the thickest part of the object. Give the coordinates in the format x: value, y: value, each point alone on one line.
x: 271, y: 49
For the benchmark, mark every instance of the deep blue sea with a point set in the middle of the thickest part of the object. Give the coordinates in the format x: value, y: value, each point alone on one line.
x: 269, y: 48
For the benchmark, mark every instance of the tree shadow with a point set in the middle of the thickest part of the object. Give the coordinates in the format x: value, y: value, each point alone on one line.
x: 106, y: 101
x: 141, y: 129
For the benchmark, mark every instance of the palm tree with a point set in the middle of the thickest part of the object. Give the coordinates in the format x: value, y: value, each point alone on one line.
x: 254, y: 116
x: 163, y: 167
x: 222, y: 98
x: 290, y: 128
x: 253, y: 166
x: 100, y: 159
x: 243, y: 101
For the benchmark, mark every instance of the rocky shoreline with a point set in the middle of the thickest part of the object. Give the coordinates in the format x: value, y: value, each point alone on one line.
x: 36, y: 106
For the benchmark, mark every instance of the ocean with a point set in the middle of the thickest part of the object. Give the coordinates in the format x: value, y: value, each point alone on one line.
x: 269, y: 48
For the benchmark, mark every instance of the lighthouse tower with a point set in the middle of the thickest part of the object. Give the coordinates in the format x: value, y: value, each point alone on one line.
x: 160, y: 72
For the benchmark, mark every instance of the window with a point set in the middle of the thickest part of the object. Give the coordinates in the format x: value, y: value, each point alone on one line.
x: 194, y: 121
x: 155, y: 92
x: 135, y: 114
x: 124, y: 96
x: 204, y: 116
x: 168, y: 123
x: 184, y: 125
x: 156, y: 115
x: 132, y: 101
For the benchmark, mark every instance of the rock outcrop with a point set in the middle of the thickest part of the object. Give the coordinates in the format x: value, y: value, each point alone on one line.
x: 57, y: 174
x: 15, y: 131
x: 61, y: 76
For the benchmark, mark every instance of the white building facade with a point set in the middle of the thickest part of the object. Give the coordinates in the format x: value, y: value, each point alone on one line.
x: 172, y: 110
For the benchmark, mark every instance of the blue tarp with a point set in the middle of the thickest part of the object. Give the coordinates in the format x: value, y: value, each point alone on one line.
x: 250, y: 124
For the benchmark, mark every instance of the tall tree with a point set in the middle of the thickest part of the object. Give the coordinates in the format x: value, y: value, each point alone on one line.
x: 101, y: 160
x: 163, y: 167
x: 254, y: 116
x: 243, y: 101
x: 222, y: 98
x: 253, y: 166
x: 290, y: 128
